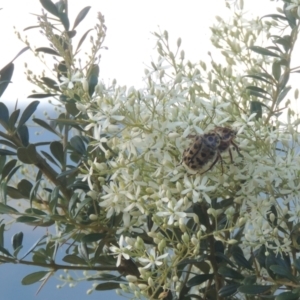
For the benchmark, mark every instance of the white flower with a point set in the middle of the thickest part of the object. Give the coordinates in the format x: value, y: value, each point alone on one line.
x: 121, y: 251
x: 152, y: 259
x: 173, y: 211
x: 197, y: 188
x: 75, y: 77
x: 127, y: 225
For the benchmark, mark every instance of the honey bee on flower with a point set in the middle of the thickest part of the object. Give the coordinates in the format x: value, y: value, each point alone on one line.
x: 208, y: 147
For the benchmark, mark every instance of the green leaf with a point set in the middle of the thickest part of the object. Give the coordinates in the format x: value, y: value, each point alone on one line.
x: 74, y: 259
x: 4, y: 251
x: 17, y: 240
x: 24, y: 187
x: 23, y: 134
x: 288, y: 296
x: 45, y: 125
x: 27, y: 155
x: 67, y: 173
x: 27, y: 219
x: 5, y: 76
x: 297, y: 264
x: 41, y: 96
x: 77, y: 143
x: 34, y: 277
x: 238, y: 256
x: 92, y: 237
x: 230, y: 273
x: 50, y: 83
x: 107, y: 286
x: 284, y: 41
x: 72, y: 203
x: 71, y: 108
x: 47, y: 51
x: 254, y: 289
x: 250, y: 280
x: 82, y: 205
x: 275, y: 17
x: 50, y: 158
x: 29, y: 110
x: 57, y: 151
x: 276, y: 70
x: 3, y: 192
x: 34, y: 191
x: 82, y: 40
x: 2, y: 229
x: 4, y: 114
x: 256, y: 89
x: 229, y: 289
x: 82, y: 14
x: 284, y: 272
x: 64, y: 20
x: 62, y: 70
x: 71, y: 33
x: 8, y: 167
x: 224, y: 257
x: 5, y: 209
x: 13, y: 119
x: 14, y: 193
x: 83, y: 251
x: 283, y: 94
x: 198, y: 279
x: 50, y: 7
x: 92, y: 78
x: 263, y: 51
x: 54, y: 199
x: 259, y: 95
x: 256, y: 107
x: 9, y: 144
x: 7, y: 152
x: 291, y: 19
x: 259, y: 78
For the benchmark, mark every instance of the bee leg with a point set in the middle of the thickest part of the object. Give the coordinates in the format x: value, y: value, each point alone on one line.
x: 230, y: 154
x: 236, y: 147
x: 215, y: 161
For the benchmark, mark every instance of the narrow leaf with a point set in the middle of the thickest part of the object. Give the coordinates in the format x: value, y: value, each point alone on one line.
x: 4, y: 115
x: 82, y: 40
x: 29, y: 110
x: 57, y: 151
x: 107, y: 286
x: 230, y: 273
x: 254, y: 289
x: 34, y: 277
x: 5, y: 209
x: 52, y: 84
x: 82, y: 14
x: 263, y: 51
x: 45, y: 125
x: 6, y: 75
x: 41, y: 96
x: 17, y: 240
x: 92, y: 237
x: 50, y: 7
x: 47, y: 51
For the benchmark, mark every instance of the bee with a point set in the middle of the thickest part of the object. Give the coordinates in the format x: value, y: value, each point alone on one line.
x: 208, y: 147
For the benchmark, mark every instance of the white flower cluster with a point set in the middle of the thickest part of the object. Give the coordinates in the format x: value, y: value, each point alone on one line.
x: 142, y: 134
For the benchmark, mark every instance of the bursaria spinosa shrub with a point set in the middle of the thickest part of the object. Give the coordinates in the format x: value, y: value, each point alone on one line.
x: 186, y: 187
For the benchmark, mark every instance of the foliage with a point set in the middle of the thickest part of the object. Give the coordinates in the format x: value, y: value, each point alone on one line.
x: 111, y: 187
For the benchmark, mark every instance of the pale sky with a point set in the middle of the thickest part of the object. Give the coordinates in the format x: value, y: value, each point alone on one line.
x: 129, y: 40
